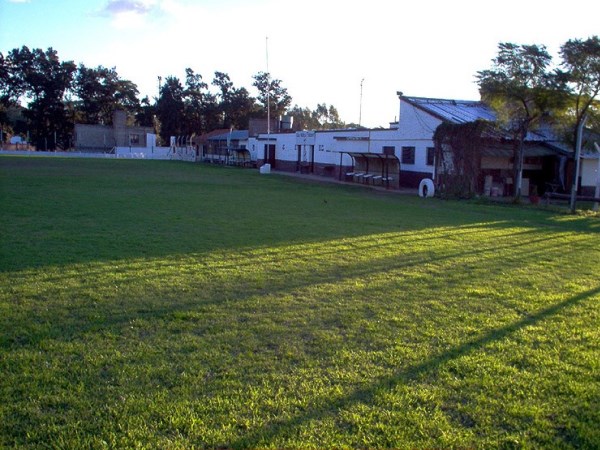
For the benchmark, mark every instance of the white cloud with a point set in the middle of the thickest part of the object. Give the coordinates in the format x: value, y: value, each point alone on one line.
x: 115, y: 7
x: 128, y: 14
x: 18, y: 1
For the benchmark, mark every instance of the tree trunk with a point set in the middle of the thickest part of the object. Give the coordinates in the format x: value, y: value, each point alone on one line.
x: 518, y: 165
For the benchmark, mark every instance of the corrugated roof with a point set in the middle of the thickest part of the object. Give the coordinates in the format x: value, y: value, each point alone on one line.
x: 235, y: 135
x: 465, y: 111
x: 455, y: 111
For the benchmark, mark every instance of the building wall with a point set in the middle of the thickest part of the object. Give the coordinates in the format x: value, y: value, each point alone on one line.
x: 414, y: 129
x: 94, y: 137
x: 132, y: 136
x: 102, y: 137
x: 589, y: 175
x: 415, y: 124
x: 327, y: 151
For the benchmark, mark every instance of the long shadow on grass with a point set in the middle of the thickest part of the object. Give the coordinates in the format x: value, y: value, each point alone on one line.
x: 80, y: 316
x: 314, y: 270
x: 264, y: 435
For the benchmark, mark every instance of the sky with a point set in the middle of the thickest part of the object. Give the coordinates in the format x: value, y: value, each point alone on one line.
x: 354, y: 55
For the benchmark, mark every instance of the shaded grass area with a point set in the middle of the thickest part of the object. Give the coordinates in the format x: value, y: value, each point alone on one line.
x: 155, y: 304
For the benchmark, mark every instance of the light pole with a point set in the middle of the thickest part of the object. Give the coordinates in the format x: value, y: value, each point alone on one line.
x: 360, y: 107
x: 575, y: 183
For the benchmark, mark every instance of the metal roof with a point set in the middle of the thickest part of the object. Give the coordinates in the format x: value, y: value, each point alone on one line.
x: 465, y: 111
x: 455, y: 111
x: 235, y: 135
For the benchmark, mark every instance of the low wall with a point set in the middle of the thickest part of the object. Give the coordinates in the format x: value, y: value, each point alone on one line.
x: 163, y: 153
x: 144, y: 153
x: 58, y: 154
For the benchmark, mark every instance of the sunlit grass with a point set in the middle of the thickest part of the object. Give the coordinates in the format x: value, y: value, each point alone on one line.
x: 177, y: 306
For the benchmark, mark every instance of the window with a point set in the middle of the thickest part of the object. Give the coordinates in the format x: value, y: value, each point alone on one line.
x: 408, y: 155
x: 430, y: 155
x: 134, y: 139
x: 389, y: 150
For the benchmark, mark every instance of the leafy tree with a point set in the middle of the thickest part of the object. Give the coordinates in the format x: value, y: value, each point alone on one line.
x: 279, y: 99
x: 223, y: 82
x: 235, y: 104
x: 521, y: 89
x: 458, y: 157
x: 304, y: 119
x: 42, y: 80
x: 581, y: 61
x: 4, y: 98
x: 146, y: 113
x: 101, y: 92
x: 323, y: 117
x: 327, y: 117
x: 212, y: 115
x: 242, y: 106
x: 170, y: 109
x: 193, y: 103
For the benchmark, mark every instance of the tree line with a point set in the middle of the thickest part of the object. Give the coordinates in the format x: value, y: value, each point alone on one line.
x: 42, y: 97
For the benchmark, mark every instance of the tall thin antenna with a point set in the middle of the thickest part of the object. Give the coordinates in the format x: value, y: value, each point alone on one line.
x: 360, y: 108
x: 268, y: 89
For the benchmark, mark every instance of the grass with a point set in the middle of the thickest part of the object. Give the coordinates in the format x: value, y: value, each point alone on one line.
x: 150, y: 304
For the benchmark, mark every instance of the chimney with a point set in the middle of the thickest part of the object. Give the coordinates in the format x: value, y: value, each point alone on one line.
x: 119, y: 118
x: 399, y: 94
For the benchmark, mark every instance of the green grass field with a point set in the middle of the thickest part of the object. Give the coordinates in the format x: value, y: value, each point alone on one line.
x: 148, y: 304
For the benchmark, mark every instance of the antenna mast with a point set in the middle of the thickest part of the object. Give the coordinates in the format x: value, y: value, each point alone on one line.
x: 268, y: 91
x: 360, y: 107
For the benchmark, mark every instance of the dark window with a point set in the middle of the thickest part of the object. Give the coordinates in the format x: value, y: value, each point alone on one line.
x: 430, y: 155
x: 389, y: 150
x: 134, y: 139
x: 408, y: 155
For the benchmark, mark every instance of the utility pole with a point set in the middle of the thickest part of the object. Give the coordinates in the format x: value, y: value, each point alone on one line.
x: 268, y: 146
x: 360, y: 108
x: 597, y: 191
x: 575, y: 183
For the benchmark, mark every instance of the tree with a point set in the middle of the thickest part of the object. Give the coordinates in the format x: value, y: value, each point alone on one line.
x: 146, y: 113
x: 581, y: 61
x: 323, y: 117
x: 193, y: 103
x: 304, y: 118
x: 271, y: 89
x: 328, y: 118
x: 42, y: 81
x: 235, y: 105
x: 170, y: 109
x: 458, y: 157
x: 100, y: 92
x: 4, y: 98
x: 521, y: 90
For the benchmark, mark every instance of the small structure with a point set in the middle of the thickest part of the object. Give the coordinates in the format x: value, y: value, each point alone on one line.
x: 225, y: 147
x: 104, y: 138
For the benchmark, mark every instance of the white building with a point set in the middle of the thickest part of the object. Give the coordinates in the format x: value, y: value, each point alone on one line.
x: 404, y: 154
x: 400, y: 156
